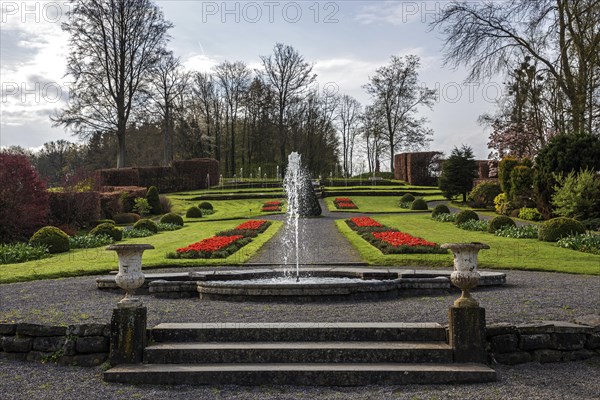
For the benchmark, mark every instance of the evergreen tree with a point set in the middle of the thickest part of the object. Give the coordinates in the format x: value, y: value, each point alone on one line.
x: 154, y: 200
x: 458, y: 172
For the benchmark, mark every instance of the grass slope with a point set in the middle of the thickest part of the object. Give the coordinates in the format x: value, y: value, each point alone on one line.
x: 505, y: 253
x: 97, y: 261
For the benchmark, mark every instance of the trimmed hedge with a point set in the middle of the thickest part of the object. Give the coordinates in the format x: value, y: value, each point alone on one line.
x: 53, y: 238
x: 407, y: 198
x: 483, y: 195
x: 440, y: 209
x: 183, y: 175
x: 557, y: 228
x: 109, y: 230
x: 419, y: 204
x: 146, y: 224
x: 126, y: 218
x: 465, y: 216
x: 80, y: 209
x: 172, y: 218
x: 193, y: 212
x: 499, y: 222
x: 205, y: 205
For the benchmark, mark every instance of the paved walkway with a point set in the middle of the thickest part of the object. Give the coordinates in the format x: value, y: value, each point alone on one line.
x: 322, y: 243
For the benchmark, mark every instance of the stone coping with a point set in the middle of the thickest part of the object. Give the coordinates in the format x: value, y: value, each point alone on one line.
x: 487, y: 278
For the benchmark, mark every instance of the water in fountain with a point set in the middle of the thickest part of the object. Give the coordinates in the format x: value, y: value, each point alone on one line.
x: 293, y: 184
x: 208, y: 181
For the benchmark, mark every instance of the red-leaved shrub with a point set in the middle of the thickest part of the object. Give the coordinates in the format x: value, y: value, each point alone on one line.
x: 23, y: 198
x: 74, y: 208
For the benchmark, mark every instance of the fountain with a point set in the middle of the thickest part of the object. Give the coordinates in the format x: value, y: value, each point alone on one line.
x: 302, y: 284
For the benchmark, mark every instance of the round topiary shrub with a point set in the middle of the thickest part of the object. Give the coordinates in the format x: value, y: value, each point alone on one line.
x: 500, y: 222
x: 483, y: 195
x: 205, y: 205
x: 440, y: 209
x: 172, y: 218
x: 407, y: 198
x: 109, y: 230
x: 147, y: 224
x: 102, y: 221
x: 466, y: 215
x: 53, y: 238
x: 126, y: 218
x: 419, y: 204
x: 193, y: 212
x: 556, y: 228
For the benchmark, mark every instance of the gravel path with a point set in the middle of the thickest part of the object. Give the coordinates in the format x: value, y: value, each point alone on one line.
x: 574, y: 380
x: 322, y: 243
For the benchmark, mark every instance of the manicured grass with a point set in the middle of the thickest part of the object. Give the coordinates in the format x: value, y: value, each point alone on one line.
x: 505, y: 253
x: 376, y: 204
x: 224, y: 209
x: 226, y: 191
x: 97, y: 261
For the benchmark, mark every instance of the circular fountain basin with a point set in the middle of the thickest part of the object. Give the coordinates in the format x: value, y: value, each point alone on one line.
x: 308, y: 287
x: 336, y: 283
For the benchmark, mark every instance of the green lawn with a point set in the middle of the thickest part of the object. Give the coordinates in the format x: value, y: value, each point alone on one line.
x: 376, y: 204
x: 224, y: 209
x: 98, y: 261
x: 505, y: 253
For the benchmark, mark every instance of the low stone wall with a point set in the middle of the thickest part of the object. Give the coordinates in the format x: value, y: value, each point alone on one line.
x: 84, y: 345
x: 544, y: 342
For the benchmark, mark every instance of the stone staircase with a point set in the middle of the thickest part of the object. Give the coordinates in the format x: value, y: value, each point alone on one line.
x: 328, y: 354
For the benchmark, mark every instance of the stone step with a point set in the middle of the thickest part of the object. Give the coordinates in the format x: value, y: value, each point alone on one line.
x: 299, y: 352
x: 337, y: 374
x: 298, y: 332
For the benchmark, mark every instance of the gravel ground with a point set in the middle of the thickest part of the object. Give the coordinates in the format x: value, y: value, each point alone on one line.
x: 574, y: 380
x: 527, y: 297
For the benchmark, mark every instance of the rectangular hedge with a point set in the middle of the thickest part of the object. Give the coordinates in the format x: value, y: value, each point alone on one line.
x: 77, y: 209
x: 183, y: 175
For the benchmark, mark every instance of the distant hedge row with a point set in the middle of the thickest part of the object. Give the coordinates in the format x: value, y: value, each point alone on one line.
x: 193, y: 174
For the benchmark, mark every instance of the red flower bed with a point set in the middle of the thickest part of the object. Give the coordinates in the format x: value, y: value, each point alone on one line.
x: 255, y: 225
x: 344, y: 203
x: 210, y: 244
x: 365, y: 222
x: 271, y: 208
x: 397, y: 239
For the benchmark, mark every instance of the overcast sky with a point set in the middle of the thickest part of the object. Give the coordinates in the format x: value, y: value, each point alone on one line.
x: 345, y: 40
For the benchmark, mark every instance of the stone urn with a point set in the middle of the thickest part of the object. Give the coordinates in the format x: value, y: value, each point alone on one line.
x: 130, y: 276
x: 465, y: 275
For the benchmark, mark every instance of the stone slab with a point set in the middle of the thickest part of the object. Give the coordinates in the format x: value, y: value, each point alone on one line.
x: 299, y: 352
x: 301, y: 374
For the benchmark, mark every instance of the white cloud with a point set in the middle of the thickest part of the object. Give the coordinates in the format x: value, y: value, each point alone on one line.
x: 399, y: 12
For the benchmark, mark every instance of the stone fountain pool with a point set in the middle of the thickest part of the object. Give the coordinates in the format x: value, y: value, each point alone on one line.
x: 315, y: 284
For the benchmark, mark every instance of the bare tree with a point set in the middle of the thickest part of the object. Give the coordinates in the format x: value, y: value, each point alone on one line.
x: 395, y: 89
x: 289, y: 75
x: 114, y: 44
x: 373, y: 127
x: 169, y: 83
x: 561, y: 36
x: 234, y: 79
x: 205, y: 99
x: 349, y: 114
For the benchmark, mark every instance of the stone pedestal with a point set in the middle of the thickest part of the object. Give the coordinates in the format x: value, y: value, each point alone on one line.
x: 127, y: 335
x: 467, y: 334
